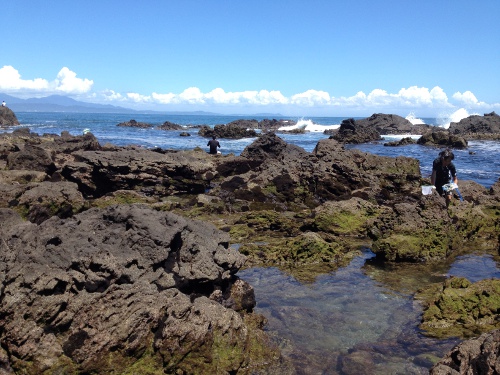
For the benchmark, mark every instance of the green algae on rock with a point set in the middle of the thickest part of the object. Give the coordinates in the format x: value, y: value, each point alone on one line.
x: 459, y: 308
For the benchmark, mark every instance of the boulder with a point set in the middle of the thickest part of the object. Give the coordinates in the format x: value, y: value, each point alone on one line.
x: 7, y: 117
x: 442, y: 138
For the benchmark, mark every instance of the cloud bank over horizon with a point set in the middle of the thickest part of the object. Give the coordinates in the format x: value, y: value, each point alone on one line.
x: 420, y: 100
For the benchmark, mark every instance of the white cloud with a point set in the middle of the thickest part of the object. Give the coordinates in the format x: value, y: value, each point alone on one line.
x: 10, y: 79
x: 468, y: 99
x: 67, y: 83
x: 311, y: 98
x: 413, y: 98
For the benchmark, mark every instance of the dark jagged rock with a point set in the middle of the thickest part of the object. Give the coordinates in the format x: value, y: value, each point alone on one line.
x: 33, y: 158
x: 135, y: 124
x: 442, y: 138
x: 245, y: 124
x: 475, y: 356
x: 273, y: 125
x: 351, y: 131
x: 7, y: 117
x: 402, y: 142
x: 123, y: 288
x: 231, y: 130
x: 477, y: 127
x: 167, y: 125
x: 391, y: 124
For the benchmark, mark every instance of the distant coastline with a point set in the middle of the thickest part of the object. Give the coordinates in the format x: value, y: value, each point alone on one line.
x: 59, y: 103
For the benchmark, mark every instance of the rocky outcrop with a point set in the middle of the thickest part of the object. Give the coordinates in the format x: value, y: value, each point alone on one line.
x: 477, y: 127
x: 351, y: 131
x: 124, y: 289
x: 135, y: 124
x: 442, y: 138
x: 231, y: 130
x: 402, y: 142
x: 273, y: 124
x: 386, y: 124
x: 167, y: 125
x: 475, y: 356
x: 7, y: 117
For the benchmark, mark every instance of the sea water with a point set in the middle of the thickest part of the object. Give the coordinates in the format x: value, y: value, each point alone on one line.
x: 363, y: 309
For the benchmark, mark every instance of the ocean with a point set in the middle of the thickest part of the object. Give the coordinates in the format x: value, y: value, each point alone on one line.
x: 478, y: 163
x: 364, y: 310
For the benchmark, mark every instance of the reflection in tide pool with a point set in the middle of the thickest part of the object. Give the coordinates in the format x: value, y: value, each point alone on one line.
x: 358, y: 319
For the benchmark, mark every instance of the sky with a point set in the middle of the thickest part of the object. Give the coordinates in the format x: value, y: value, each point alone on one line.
x: 293, y: 57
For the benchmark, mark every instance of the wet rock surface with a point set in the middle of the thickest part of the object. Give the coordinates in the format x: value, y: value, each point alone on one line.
x: 475, y: 356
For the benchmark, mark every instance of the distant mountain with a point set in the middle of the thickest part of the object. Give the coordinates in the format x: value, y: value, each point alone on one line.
x: 59, y: 103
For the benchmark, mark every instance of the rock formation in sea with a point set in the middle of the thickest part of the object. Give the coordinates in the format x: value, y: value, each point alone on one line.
x: 477, y: 127
x: 7, y: 117
x: 135, y: 124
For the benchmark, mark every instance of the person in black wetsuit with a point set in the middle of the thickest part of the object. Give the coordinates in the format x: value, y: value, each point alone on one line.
x: 444, y: 172
x: 213, y: 143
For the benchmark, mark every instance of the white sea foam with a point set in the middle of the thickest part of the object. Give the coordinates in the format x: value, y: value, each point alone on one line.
x: 414, y: 120
x: 309, y: 125
x: 445, y: 120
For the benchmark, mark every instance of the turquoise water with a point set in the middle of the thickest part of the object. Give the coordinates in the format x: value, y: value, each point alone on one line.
x: 362, y: 311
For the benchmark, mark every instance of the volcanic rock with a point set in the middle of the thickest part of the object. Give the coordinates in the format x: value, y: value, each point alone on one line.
x: 7, y: 117
x: 134, y: 124
x: 442, y: 138
x: 120, y: 288
x: 477, y: 127
x: 475, y: 356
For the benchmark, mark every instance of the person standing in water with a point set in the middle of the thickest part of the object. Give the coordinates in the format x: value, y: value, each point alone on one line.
x: 444, y: 172
x: 213, y: 143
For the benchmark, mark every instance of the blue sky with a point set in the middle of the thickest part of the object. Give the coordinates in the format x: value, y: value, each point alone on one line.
x: 301, y: 58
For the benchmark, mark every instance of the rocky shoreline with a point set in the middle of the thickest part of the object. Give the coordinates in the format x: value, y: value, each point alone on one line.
x: 119, y: 258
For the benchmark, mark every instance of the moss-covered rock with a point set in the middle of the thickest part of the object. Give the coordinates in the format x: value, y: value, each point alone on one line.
x: 460, y: 308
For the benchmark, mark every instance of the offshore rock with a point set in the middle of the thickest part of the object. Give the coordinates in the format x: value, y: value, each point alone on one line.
x: 167, y: 125
x: 233, y: 130
x: 135, y: 124
x: 477, y: 127
x: 123, y: 290
x: 8, y: 117
x: 391, y: 124
x: 442, y: 138
x: 351, y: 131
x: 475, y: 356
